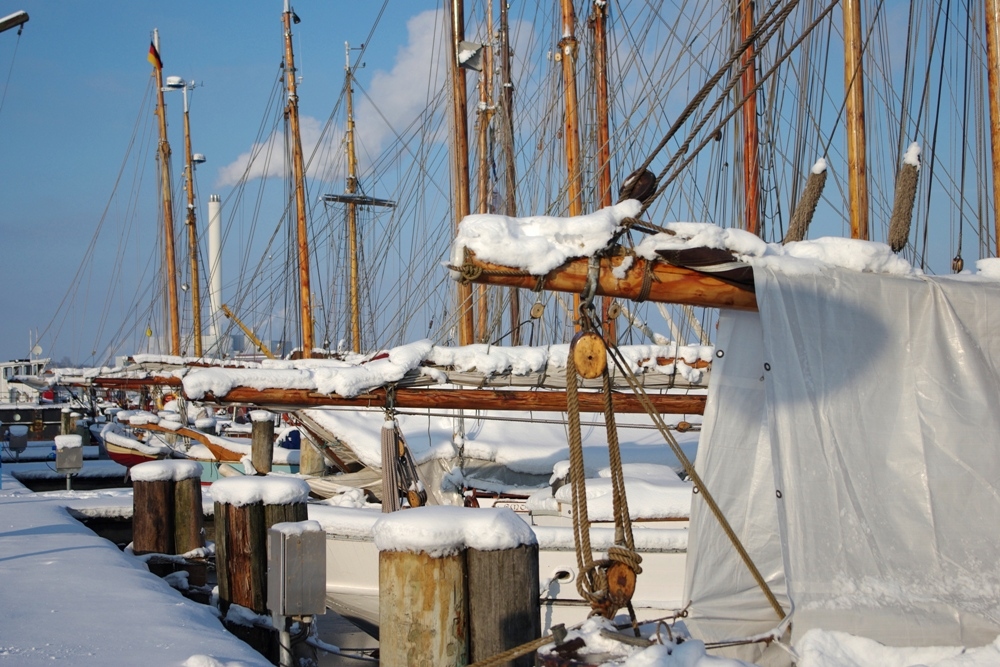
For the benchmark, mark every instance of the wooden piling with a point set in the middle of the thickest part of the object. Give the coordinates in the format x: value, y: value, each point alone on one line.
x: 166, y: 507
x: 262, y: 441
x: 245, y: 508
x: 503, y: 602
x: 423, y: 611
x: 450, y: 604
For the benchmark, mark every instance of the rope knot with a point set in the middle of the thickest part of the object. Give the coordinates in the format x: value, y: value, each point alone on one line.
x: 470, y: 272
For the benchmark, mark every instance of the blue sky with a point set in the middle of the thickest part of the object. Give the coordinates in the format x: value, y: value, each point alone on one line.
x: 75, y: 82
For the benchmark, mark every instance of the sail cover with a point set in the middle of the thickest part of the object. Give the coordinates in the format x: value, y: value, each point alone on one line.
x: 852, y: 440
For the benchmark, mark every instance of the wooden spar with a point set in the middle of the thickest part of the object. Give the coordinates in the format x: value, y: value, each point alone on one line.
x: 510, y: 175
x: 751, y: 165
x: 298, y: 170
x: 669, y: 284
x: 993, y: 72
x: 571, y: 128
x: 599, y: 20
x: 483, y: 175
x: 458, y: 399
x: 460, y: 155
x: 352, y: 211
x: 855, y: 120
x: 192, y: 231
x: 168, y: 206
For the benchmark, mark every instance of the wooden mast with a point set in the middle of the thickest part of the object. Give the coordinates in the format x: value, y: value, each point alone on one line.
x: 483, y: 175
x: 192, y: 231
x: 599, y: 20
x: 855, y: 120
x: 352, y: 210
x: 168, y: 206
x: 460, y: 155
x: 993, y: 72
x: 567, y: 54
x: 298, y: 170
x: 751, y: 164
x: 506, y: 101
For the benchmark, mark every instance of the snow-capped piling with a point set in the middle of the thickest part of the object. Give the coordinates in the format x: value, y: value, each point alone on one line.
x: 245, y: 508
x: 166, y: 507
x: 456, y: 585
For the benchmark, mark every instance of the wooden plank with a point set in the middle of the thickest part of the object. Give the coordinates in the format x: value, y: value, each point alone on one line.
x: 669, y: 284
x: 422, y: 610
x: 467, y: 399
x: 188, y: 516
x: 152, y: 525
x: 503, y: 610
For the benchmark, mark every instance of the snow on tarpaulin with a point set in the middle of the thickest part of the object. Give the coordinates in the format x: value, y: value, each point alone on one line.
x: 854, y: 417
x: 270, y: 490
x: 444, y: 531
x: 538, y: 243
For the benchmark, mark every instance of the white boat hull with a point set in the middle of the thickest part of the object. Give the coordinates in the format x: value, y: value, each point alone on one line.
x: 352, y: 579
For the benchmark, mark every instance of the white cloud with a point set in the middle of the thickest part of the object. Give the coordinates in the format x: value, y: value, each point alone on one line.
x: 398, y: 96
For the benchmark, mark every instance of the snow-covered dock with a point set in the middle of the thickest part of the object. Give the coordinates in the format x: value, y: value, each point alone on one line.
x: 73, y: 596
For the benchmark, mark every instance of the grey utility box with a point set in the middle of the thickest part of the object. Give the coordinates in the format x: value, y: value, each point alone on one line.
x: 17, y: 438
x: 69, y: 453
x: 296, y: 569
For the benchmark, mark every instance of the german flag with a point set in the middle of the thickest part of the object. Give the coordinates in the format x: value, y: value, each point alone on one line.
x: 154, y: 57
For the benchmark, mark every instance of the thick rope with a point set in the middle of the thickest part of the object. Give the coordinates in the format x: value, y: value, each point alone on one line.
x: 514, y: 653
x: 693, y: 475
x: 589, y: 579
x: 902, y: 208
x: 803, y: 213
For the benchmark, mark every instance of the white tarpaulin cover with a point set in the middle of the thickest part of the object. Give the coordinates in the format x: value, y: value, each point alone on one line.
x: 852, y: 439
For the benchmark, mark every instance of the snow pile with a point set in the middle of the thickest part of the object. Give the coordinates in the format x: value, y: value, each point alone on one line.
x: 166, y: 471
x: 652, y: 492
x: 330, y: 376
x: 538, y: 243
x: 269, y: 490
x: 68, y: 441
x: 444, y: 531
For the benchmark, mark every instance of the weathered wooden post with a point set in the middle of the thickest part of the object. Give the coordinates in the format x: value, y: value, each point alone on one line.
x: 262, y: 440
x: 64, y: 422
x: 245, y: 508
x: 166, y: 507
x: 441, y: 600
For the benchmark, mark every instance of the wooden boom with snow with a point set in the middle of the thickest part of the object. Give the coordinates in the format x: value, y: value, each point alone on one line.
x: 645, y: 280
x: 458, y: 399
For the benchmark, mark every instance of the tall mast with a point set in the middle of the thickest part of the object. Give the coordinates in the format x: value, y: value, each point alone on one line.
x: 506, y: 102
x: 993, y: 72
x: 599, y: 20
x: 567, y: 54
x: 192, y: 230
x: 460, y: 155
x: 855, y: 120
x: 298, y: 171
x: 168, y: 205
x: 751, y: 164
x: 352, y: 211
x: 483, y: 129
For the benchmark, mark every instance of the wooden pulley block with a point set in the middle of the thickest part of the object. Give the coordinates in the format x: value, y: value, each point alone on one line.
x: 537, y: 310
x: 614, y: 310
x: 621, y: 584
x: 590, y: 354
x: 415, y: 498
